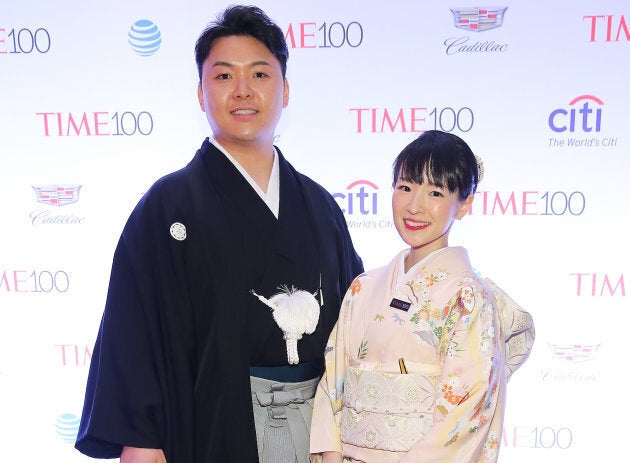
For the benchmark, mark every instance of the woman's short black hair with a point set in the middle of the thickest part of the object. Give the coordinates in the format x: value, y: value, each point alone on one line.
x: 440, y: 158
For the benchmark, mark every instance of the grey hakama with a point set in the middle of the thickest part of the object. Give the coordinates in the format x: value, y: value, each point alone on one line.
x: 282, y: 416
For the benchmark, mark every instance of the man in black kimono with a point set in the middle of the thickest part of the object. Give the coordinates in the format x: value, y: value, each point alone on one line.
x: 184, y: 335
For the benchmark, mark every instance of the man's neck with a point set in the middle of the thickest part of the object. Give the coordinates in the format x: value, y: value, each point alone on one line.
x: 257, y: 160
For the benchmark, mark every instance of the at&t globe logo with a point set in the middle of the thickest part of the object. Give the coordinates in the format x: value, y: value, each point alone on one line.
x: 145, y: 37
x: 67, y: 427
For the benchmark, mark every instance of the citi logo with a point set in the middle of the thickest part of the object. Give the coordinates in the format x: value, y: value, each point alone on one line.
x: 584, y: 114
x: 360, y: 197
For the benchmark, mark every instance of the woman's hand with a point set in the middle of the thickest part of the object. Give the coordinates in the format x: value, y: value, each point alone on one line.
x: 331, y: 457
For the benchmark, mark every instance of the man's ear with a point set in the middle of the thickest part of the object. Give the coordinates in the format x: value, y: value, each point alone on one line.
x: 285, y: 94
x: 200, y: 96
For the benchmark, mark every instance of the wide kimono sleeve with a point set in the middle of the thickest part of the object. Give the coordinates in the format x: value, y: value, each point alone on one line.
x: 326, y: 420
x: 517, y: 326
x: 469, y: 405
x: 139, y: 343
x: 123, y: 402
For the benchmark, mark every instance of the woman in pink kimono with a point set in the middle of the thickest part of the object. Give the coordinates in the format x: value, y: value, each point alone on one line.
x: 418, y: 363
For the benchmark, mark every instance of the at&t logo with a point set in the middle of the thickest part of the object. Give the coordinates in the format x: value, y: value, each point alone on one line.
x: 145, y: 37
x: 67, y: 427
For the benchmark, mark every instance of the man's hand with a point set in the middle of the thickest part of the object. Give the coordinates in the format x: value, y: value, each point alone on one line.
x: 139, y: 455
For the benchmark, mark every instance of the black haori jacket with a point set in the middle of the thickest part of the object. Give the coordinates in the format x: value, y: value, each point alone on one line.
x: 180, y: 329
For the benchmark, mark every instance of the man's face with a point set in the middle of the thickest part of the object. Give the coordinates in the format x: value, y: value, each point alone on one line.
x: 242, y: 91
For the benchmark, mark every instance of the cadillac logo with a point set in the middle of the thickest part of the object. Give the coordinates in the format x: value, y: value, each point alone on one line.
x: 57, y: 195
x: 478, y: 19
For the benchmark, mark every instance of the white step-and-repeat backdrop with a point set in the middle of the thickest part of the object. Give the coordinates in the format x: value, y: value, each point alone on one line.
x: 88, y: 120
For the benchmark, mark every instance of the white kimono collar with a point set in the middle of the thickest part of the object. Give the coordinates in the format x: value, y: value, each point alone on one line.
x: 272, y: 196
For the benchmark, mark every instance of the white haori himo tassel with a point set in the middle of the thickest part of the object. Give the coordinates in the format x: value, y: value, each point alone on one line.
x: 296, y: 312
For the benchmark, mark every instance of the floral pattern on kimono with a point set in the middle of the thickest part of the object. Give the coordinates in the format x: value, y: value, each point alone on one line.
x: 458, y: 336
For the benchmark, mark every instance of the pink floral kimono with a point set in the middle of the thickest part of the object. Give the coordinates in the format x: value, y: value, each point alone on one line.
x: 418, y: 363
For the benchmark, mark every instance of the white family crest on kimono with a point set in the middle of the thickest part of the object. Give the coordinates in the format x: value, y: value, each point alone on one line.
x: 296, y: 312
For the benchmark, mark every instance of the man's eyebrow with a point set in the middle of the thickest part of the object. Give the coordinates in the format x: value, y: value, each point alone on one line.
x: 252, y: 64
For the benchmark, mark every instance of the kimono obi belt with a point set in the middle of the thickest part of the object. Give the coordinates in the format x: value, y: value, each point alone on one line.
x: 385, y: 409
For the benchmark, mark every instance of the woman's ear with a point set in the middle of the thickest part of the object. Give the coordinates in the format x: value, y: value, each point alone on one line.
x: 464, y: 207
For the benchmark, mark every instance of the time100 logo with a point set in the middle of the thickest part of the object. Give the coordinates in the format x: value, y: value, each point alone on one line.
x: 536, y: 437
x: 24, y: 40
